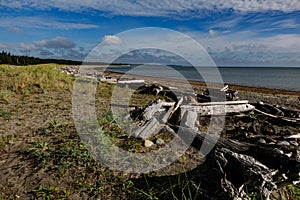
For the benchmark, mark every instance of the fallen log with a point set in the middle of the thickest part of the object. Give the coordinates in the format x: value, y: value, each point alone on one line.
x: 290, y: 113
x: 131, y: 81
x: 168, y: 104
x: 152, y: 109
x: 260, y: 167
x: 147, y: 130
x: 225, y: 88
x: 268, y: 109
x: 241, y: 173
x: 237, y: 165
x: 219, y: 109
x: 293, y: 120
x: 221, y: 103
x: 297, y: 136
x: 264, y: 154
x: 150, y: 118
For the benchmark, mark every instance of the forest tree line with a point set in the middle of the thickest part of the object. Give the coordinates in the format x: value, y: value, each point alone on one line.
x: 8, y: 58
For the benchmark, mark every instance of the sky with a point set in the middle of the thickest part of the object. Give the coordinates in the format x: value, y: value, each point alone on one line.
x: 233, y: 32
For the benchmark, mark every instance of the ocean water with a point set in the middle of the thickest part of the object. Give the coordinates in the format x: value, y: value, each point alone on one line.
x: 286, y: 78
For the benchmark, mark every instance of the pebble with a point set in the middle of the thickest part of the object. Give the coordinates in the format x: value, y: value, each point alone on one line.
x: 280, y: 151
x: 271, y: 143
x: 284, y: 143
x: 294, y: 143
x: 262, y: 141
x: 289, y: 154
x: 160, y: 141
x: 148, y: 143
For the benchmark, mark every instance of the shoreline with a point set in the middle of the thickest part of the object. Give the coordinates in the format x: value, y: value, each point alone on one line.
x: 283, y: 98
x: 203, y: 84
x: 264, y: 90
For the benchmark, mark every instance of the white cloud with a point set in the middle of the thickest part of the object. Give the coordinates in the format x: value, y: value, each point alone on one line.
x: 29, y: 47
x: 248, y: 41
x: 111, y: 39
x: 283, y: 42
x: 286, y: 23
x: 156, y: 8
x: 212, y: 33
x: 55, y: 43
x: 39, y: 22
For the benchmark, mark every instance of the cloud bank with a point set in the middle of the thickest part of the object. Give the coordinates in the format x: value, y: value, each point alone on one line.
x: 55, y: 43
x: 157, y: 8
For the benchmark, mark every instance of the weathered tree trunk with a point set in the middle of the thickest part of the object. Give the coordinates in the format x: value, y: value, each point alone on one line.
x: 242, y: 163
x: 219, y: 109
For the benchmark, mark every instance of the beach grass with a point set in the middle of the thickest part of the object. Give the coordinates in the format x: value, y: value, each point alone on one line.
x: 26, y: 80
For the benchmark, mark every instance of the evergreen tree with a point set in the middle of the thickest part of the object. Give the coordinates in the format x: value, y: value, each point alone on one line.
x: 7, y: 58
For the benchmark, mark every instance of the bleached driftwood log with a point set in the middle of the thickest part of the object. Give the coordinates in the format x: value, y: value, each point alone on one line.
x: 148, y: 129
x: 151, y: 119
x: 152, y: 109
x: 221, y: 103
x: 131, y: 81
x: 219, y: 109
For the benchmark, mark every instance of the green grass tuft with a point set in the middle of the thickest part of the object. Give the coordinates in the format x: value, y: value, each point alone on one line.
x: 27, y: 80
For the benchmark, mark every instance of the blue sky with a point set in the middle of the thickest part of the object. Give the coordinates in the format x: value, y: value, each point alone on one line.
x: 248, y: 32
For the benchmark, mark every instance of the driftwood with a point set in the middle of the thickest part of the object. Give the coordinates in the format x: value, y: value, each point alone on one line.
x: 150, y: 118
x: 278, y: 111
x: 148, y: 129
x: 294, y: 136
x: 268, y: 109
x: 238, y: 166
x: 190, y: 119
x: 157, y: 89
x: 266, y: 155
x: 167, y: 115
x: 152, y: 109
x: 219, y: 109
x: 187, y: 114
x: 177, y: 105
x: 131, y: 81
x: 221, y: 103
x: 218, y: 95
x: 287, y: 119
x: 108, y: 80
x: 239, y: 162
